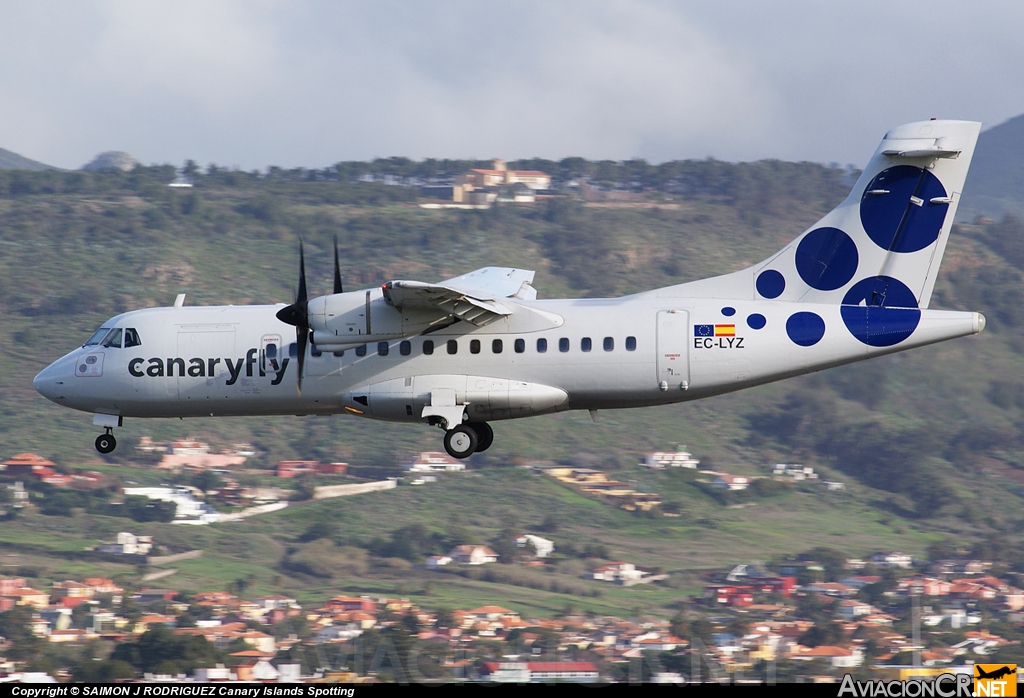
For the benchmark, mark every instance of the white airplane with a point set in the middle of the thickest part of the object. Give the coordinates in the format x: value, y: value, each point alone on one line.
x: 481, y: 347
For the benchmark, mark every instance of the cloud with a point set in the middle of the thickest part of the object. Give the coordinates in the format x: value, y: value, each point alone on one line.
x: 307, y: 83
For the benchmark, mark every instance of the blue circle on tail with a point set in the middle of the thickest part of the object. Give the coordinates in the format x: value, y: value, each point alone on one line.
x: 880, y: 311
x: 805, y: 329
x: 770, y: 283
x: 827, y: 259
x: 903, y: 208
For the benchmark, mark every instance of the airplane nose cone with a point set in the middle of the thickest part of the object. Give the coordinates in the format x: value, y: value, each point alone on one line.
x: 45, y: 383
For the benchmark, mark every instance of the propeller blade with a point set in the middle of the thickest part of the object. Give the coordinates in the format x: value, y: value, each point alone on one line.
x: 337, y: 268
x: 297, y: 315
x: 302, y: 339
x: 301, y: 298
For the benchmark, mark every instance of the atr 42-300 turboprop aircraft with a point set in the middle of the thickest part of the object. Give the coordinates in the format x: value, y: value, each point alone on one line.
x: 481, y: 347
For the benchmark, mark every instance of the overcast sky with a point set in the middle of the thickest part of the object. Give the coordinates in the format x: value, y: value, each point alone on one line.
x: 253, y: 84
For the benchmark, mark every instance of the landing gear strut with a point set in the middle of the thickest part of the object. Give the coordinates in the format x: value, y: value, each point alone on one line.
x: 106, y: 443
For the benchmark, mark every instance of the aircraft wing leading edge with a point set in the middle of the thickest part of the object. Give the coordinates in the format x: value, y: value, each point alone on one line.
x: 475, y: 297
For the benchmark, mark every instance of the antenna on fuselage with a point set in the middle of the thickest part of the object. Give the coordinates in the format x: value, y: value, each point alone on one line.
x: 179, y: 300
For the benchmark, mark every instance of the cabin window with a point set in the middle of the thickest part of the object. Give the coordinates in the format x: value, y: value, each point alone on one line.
x: 272, y: 351
x: 313, y: 351
x: 453, y: 346
x: 131, y: 338
x: 474, y: 346
x: 361, y: 350
x: 293, y: 350
x: 542, y: 345
x: 428, y: 346
x: 585, y: 344
x: 382, y: 348
x: 339, y: 354
x: 97, y: 336
x: 609, y: 344
x: 497, y: 346
x: 113, y: 340
x: 630, y: 343
x: 405, y: 348
x: 563, y: 344
x: 520, y: 346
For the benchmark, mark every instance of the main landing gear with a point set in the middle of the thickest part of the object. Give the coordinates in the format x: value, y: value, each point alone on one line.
x: 105, y: 443
x: 467, y: 439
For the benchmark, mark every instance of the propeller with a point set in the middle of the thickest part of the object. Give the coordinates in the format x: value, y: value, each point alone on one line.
x: 297, y: 314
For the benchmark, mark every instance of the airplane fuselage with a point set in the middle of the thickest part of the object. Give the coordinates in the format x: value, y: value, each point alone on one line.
x: 633, y: 351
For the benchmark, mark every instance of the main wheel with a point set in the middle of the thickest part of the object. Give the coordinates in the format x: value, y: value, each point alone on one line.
x: 460, y: 442
x: 105, y: 443
x: 484, y: 435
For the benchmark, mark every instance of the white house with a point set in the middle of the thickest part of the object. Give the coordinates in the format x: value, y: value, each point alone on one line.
x: 893, y: 559
x: 542, y: 546
x: 473, y: 554
x: 621, y: 572
x: 659, y: 460
x: 435, y: 561
x: 433, y: 462
x: 128, y: 544
x: 188, y: 509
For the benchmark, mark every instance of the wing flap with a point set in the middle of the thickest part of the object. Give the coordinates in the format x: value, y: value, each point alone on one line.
x: 474, y: 297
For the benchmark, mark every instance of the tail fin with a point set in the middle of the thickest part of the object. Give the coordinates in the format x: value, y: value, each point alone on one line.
x: 882, y: 246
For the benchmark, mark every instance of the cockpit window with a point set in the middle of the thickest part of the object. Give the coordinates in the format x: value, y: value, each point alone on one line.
x: 114, y: 338
x: 97, y: 336
x: 131, y: 338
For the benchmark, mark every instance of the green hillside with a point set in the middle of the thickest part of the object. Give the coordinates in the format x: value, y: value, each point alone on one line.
x: 928, y: 443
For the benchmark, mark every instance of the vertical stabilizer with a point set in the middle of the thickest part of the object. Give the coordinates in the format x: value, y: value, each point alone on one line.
x: 883, y: 245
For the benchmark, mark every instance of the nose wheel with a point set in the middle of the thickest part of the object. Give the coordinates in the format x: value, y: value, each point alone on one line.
x: 106, y: 443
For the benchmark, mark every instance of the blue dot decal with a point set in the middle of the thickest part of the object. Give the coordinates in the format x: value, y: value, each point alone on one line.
x: 826, y: 259
x: 902, y: 209
x: 805, y: 329
x: 770, y: 283
x: 728, y: 312
x: 880, y: 311
x: 756, y: 321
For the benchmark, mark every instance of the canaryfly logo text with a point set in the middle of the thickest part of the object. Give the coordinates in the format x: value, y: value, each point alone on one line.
x: 943, y: 686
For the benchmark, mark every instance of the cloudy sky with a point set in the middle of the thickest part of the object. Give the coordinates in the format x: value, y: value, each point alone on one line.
x: 252, y: 84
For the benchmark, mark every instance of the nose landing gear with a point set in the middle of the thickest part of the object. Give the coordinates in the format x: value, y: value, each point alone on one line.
x: 105, y: 443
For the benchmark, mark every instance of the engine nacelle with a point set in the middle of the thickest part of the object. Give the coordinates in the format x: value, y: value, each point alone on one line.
x: 415, y: 398
x: 357, y: 317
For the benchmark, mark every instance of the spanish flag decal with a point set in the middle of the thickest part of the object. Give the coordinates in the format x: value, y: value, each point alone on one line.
x: 725, y: 330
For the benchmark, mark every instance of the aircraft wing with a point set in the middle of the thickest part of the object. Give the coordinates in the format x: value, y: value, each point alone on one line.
x: 476, y: 297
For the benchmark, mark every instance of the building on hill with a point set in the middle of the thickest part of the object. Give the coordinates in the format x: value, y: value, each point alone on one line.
x: 297, y: 468
x: 473, y: 554
x: 542, y: 547
x: 659, y: 460
x: 481, y: 187
x: 188, y: 453
x: 128, y: 544
x: 434, y: 462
